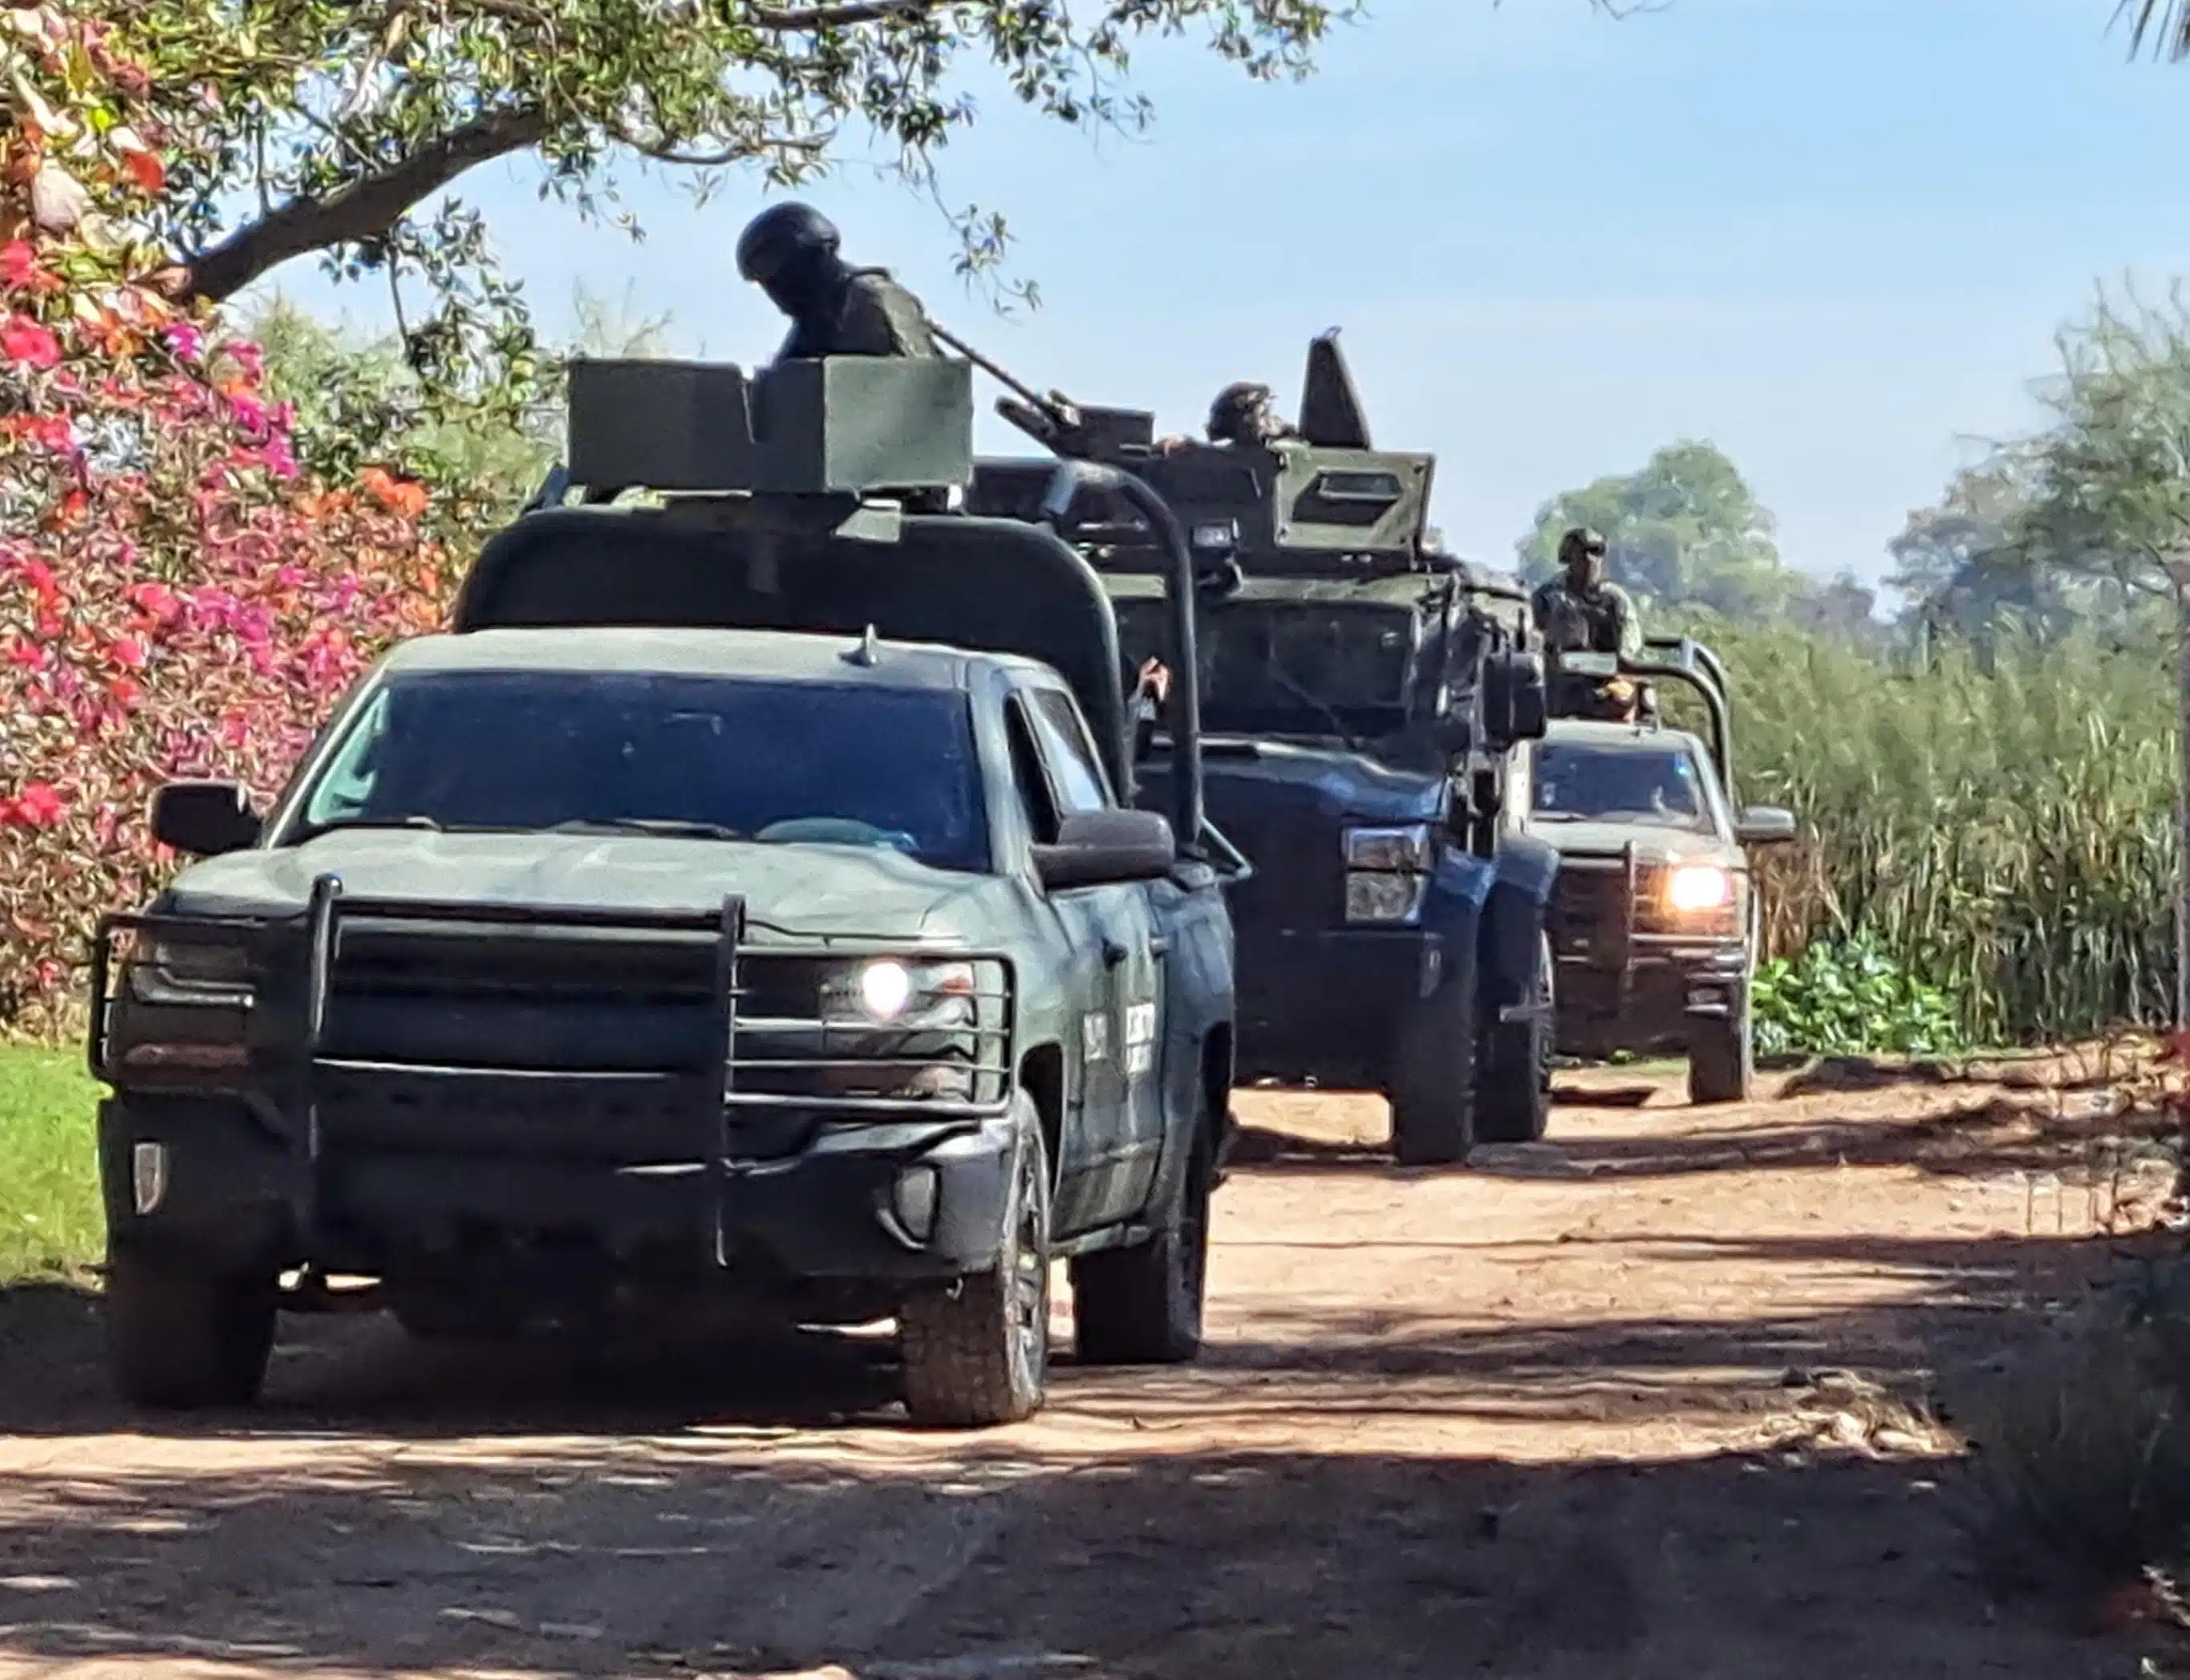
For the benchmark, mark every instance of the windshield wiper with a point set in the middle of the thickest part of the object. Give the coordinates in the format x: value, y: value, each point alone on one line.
x: 677, y: 828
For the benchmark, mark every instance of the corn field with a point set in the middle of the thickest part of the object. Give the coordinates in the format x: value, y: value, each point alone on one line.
x: 2005, y: 828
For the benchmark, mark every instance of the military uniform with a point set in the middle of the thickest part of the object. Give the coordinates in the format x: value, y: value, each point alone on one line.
x: 1601, y: 619
x: 870, y: 315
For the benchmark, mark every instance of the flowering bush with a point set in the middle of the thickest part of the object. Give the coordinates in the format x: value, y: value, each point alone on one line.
x: 175, y: 598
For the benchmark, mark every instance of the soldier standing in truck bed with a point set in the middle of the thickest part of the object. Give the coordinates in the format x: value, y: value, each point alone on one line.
x: 790, y: 252
x: 1581, y: 611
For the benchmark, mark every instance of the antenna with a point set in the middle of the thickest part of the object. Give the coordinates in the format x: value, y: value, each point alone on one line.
x: 867, y: 652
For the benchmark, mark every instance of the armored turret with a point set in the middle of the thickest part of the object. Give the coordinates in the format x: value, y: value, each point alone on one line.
x: 1322, y: 503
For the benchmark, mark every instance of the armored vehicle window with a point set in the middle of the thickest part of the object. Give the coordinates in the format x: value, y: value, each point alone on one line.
x: 1071, y: 757
x: 1292, y: 668
x: 1647, y: 784
x: 724, y: 757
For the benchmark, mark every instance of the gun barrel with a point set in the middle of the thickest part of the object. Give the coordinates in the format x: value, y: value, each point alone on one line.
x: 1055, y: 408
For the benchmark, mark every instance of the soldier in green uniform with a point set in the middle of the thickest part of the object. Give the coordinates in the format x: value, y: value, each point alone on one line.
x: 790, y: 252
x: 1582, y: 611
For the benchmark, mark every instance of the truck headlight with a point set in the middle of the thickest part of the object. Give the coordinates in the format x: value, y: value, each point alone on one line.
x: 1695, y: 886
x: 890, y: 991
x: 1378, y: 897
x: 1387, y: 872
x: 1405, y: 848
x: 174, y: 970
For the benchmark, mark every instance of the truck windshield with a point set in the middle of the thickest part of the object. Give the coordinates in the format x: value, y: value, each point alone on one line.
x: 708, y: 757
x: 1308, y: 668
x: 1658, y: 786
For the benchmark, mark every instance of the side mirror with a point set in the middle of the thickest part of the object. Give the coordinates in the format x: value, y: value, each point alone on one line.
x: 1517, y: 696
x: 1105, y: 849
x: 204, y: 818
x: 1765, y: 826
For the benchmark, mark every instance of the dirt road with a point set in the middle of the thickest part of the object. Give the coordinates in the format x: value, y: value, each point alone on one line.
x: 1574, y: 1412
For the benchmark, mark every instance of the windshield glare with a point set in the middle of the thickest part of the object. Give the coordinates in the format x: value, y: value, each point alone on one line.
x: 1309, y: 668
x: 1656, y: 786
x: 725, y: 758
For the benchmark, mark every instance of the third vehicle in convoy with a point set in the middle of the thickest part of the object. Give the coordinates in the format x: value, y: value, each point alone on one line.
x: 1653, y: 923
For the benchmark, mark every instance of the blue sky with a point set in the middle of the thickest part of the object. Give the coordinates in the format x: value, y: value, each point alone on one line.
x: 1833, y: 237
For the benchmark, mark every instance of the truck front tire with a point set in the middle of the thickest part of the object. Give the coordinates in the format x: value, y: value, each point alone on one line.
x: 1144, y: 1305
x: 977, y: 1354
x: 1722, y: 1058
x: 180, y: 1339
x: 1432, y: 1089
x: 1515, y: 1105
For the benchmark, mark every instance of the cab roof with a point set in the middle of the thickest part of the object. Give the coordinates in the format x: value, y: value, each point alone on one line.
x: 768, y: 655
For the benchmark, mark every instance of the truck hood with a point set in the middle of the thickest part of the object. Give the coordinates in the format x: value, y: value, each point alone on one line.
x: 1653, y: 845
x: 1241, y: 778
x: 804, y: 890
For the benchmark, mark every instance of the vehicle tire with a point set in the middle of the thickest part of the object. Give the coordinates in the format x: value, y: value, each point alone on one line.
x: 180, y: 1339
x: 1144, y: 1305
x: 1722, y: 1059
x: 1515, y: 1104
x: 978, y: 1353
x: 1432, y: 1090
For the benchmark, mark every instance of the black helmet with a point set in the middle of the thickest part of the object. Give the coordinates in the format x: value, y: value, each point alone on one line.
x: 1580, y: 541
x: 1236, y: 405
x: 781, y: 235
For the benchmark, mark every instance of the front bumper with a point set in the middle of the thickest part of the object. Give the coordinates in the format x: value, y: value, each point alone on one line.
x: 327, y: 1126
x: 1652, y: 1003
x: 883, y: 1204
x: 1326, y: 1003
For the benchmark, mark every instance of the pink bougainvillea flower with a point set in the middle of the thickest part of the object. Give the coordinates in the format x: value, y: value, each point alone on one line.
x: 25, y: 341
x: 18, y: 264
x: 184, y: 340
x: 128, y: 653
x: 39, y: 805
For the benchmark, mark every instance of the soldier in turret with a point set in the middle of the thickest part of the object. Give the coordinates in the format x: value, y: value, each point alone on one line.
x: 790, y: 252
x: 1242, y: 416
x: 1582, y: 611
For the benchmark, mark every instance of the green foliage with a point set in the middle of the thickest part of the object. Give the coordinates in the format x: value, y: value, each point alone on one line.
x: 1685, y: 529
x: 50, y: 1222
x: 1851, y: 998
x: 342, y: 124
x: 2002, y: 828
x: 2110, y: 499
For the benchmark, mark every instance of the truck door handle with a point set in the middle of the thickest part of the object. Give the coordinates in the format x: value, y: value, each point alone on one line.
x: 1113, y: 953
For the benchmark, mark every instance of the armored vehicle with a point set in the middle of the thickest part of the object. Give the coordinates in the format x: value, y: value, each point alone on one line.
x: 741, y: 908
x: 1654, y: 918
x: 1363, y: 693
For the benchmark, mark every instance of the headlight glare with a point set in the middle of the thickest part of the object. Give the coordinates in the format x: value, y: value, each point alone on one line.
x: 1695, y: 886
x: 891, y: 992
x: 885, y: 988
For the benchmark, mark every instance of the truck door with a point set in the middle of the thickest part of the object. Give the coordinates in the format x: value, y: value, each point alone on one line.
x: 1130, y: 987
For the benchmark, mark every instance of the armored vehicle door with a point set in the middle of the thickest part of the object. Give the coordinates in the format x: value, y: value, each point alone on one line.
x: 1118, y: 963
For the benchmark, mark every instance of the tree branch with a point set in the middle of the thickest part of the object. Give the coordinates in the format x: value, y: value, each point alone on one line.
x: 361, y: 210
x: 800, y: 18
